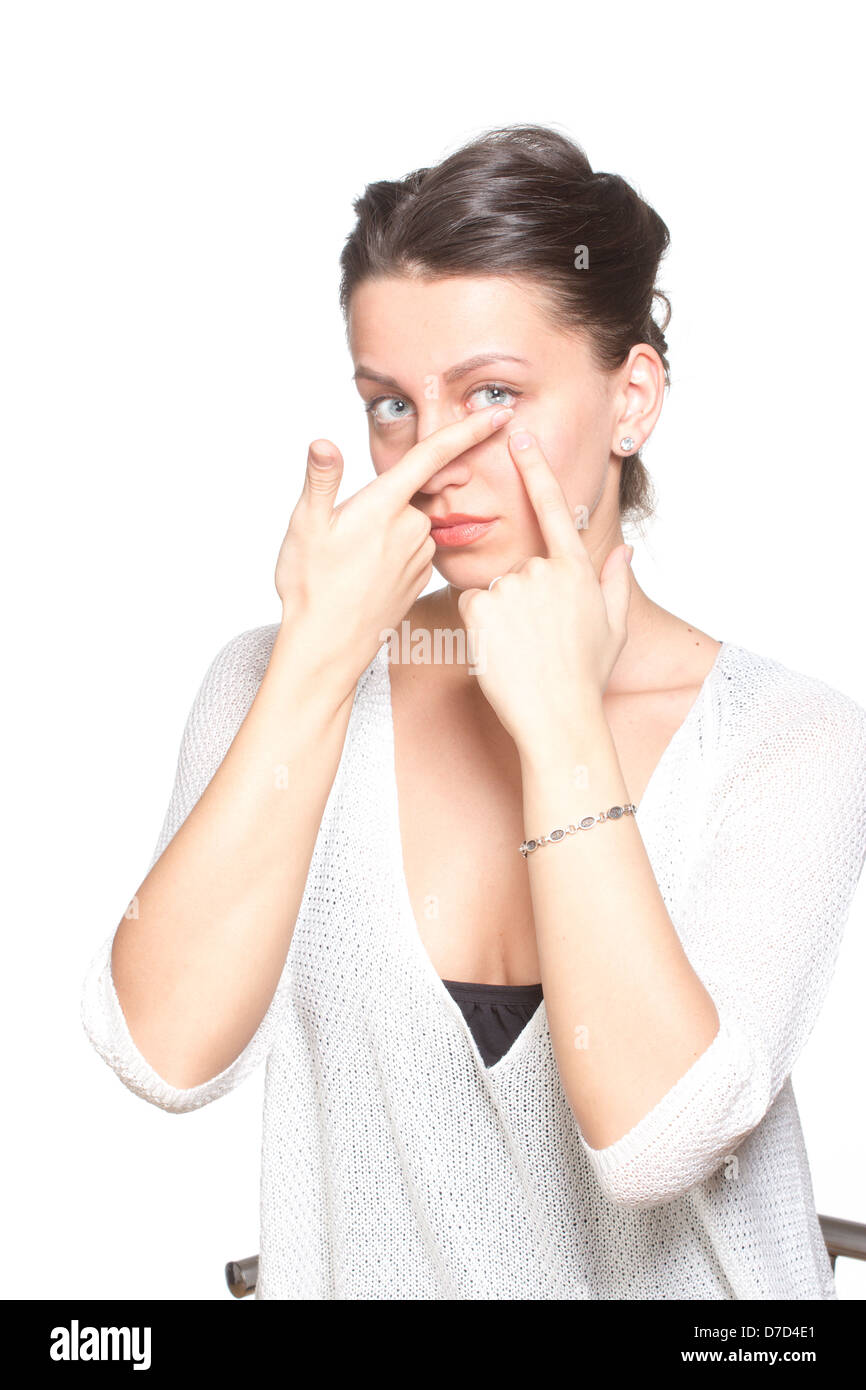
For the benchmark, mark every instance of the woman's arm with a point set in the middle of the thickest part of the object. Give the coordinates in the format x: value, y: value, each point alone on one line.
x: 628, y: 1014
x: 764, y: 917
x: 196, y: 969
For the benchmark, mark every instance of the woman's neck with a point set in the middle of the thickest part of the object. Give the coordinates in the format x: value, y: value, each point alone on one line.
x: 661, y: 650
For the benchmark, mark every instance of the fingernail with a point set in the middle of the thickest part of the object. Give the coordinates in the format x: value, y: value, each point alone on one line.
x: 502, y: 415
x: 629, y: 555
x: 520, y: 439
x: 320, y: 458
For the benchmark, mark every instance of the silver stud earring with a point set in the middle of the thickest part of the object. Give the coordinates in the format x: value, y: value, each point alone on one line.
x: 627, y: 443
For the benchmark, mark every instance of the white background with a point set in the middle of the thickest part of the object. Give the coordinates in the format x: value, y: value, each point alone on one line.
x: 178, y: 180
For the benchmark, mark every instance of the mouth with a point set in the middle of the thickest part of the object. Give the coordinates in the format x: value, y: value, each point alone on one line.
x: 459, y: 529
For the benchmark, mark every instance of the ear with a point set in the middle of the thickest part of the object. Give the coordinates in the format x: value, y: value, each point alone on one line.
x: 639, y: 399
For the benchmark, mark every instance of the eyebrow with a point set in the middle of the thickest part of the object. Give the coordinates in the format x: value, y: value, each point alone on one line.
x: 483, y: 359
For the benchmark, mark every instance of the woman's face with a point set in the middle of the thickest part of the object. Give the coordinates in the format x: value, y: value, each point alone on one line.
x: 427, y: 352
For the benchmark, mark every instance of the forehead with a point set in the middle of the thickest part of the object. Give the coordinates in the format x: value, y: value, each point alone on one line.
x: 431, y: 324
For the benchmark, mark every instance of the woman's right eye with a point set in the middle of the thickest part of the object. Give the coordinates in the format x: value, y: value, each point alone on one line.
x: 380, y: 410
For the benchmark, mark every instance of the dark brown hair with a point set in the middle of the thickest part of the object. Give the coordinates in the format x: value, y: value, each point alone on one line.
x: 518, y: 202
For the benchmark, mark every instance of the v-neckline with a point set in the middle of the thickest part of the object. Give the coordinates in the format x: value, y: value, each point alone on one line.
x: 527, y: 1035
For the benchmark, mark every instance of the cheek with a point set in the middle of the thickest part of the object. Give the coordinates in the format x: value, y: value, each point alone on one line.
x: 570, y: 447
x: 572, y: 456
x: 560, y: 442
x: 386, y: 453
x: 494, y: 466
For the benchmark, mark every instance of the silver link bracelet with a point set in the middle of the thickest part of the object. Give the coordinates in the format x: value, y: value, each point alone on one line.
x: 613, y: 813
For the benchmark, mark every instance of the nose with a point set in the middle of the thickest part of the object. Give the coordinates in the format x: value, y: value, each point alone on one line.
x: 457, y: 470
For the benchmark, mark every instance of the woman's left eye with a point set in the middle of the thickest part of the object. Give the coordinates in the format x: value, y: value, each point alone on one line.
x: 496, y: 395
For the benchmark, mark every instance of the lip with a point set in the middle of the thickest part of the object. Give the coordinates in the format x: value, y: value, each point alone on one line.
x: 459, y: 529
x: 457, y: 519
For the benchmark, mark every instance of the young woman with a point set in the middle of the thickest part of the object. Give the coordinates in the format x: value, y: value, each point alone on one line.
x: 528, y: 890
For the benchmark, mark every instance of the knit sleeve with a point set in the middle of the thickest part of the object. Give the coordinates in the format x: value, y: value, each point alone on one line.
x: 764, y: 920
x: 218, y: 710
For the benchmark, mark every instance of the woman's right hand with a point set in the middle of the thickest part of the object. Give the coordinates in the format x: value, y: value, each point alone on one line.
x: 348, y: 573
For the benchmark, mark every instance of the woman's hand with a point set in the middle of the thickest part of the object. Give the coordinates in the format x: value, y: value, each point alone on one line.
x: 548, y: 634
x: 348, y: 573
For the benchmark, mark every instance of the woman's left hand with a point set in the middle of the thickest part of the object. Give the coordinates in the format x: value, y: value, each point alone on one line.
x: 546, y: 637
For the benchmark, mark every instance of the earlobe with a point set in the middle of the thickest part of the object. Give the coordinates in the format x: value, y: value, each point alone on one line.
x: 643, y: 396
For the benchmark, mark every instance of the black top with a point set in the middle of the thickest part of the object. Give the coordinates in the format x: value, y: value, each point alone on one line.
x: 496, y: 1014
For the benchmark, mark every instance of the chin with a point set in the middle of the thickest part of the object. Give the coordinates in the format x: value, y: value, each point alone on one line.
x: 467, y: 575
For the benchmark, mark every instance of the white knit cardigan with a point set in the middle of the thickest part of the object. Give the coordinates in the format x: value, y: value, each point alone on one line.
x: 395, y: 1165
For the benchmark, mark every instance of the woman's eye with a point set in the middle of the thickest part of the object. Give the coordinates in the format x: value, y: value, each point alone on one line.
x: 493, y: 394
x: 389, y: 410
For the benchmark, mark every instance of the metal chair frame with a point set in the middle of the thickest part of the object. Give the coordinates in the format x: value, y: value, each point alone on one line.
x: 845, y: 1238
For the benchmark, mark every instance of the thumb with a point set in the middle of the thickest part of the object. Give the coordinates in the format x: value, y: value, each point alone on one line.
x: 322, y: 479
x: 615, y: 584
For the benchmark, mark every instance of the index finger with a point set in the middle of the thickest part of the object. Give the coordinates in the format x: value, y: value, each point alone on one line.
x: 399, y: 485
x: 555, y: 520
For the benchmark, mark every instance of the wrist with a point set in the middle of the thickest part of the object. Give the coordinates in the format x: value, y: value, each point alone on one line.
x: 560, y: 741
x: 311, y: 673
